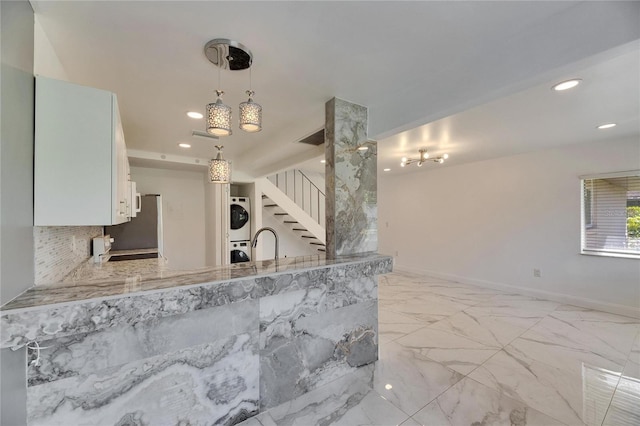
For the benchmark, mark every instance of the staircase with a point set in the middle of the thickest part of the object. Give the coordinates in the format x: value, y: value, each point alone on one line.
x: 298, y: 203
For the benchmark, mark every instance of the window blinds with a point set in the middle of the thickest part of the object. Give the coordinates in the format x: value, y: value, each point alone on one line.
x: 611, y: 215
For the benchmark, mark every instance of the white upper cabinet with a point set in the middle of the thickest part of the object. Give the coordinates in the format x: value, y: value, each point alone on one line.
x: 81, y: 166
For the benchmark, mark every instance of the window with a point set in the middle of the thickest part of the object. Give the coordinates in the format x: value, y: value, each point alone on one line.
x: 611, y: 214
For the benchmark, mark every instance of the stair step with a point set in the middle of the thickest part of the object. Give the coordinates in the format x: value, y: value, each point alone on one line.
x: 281, y: 214
x: 270, y: 205
x: 316, y: 244
x: 290, y: 221
x: 322, y: 250
x: 298, y: 229
x: 307, y: 236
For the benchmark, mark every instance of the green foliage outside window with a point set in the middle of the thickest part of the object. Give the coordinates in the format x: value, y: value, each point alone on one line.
x: 633, y: 222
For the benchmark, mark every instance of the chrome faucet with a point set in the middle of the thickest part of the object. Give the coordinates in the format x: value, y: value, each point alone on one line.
x: 254, y: 242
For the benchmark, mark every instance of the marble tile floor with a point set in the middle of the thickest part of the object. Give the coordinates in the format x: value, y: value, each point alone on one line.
x: 455, y: 354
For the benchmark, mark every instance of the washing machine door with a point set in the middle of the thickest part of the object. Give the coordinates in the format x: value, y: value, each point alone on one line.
x: 238, y: 256
x: 239, y: 216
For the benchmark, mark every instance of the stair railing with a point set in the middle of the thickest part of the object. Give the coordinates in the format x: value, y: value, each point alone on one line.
x: 302, y: 191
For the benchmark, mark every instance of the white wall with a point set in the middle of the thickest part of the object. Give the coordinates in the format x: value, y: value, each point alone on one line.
x: 45, y: 59
x: 16, y: 189
x: 183, y: 210
x: 16, y: 150
x: 290, y: 243
x: 493, y: 222
x: 302, y: 192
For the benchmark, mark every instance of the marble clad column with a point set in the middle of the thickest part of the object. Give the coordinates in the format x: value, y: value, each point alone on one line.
x: 351, y: 181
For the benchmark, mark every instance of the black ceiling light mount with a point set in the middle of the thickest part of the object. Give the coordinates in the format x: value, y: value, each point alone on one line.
x: 228, y: 54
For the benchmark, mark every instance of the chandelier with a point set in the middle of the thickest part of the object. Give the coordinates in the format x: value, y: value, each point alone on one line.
x: 423, y: 157
x: 234, y: 56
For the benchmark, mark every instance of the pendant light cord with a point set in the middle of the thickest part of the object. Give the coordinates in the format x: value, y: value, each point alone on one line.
x: 218, y: 76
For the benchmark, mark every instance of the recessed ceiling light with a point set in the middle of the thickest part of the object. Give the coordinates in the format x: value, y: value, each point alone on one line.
x: 606, y: 126
x: 565, y: 85
x: 323, y: 161
x: 387, y: 170
x: 184, y: 145
x: 193, y: 114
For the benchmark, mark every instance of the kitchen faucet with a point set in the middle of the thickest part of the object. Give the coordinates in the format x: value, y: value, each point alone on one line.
x: 254, y: 242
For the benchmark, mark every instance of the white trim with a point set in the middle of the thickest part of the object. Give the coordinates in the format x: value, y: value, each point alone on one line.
x: 610, y: 253
x: 613, y: 308
x: 611, y: 175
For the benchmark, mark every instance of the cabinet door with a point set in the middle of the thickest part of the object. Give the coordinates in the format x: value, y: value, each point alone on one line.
x: 73, y: 155
x: 120, y: 178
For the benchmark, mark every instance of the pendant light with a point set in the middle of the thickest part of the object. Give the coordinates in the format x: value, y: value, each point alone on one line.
x: 219, y: 168
x: 250, y: 112
x: 219, y: 115
x: 234, y: 56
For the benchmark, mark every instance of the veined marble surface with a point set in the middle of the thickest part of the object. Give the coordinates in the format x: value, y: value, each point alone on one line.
x: 213, y: 383
x: 45, y: 312
x: 351, y: 180
x: 486, y: 358
x: 308, y: 351
x: 125, y: 278
x: 214, y: 353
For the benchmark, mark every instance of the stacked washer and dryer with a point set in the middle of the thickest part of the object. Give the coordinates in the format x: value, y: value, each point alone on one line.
x: 240, y: 232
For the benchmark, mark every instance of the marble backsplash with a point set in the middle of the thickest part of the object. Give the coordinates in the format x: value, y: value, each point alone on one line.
x: 61, y: 249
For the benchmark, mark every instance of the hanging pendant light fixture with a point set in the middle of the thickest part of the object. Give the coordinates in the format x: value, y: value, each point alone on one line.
x: 250, y: 115
x: 219, y: 168
x: 219, y: 117
x: 234, y: 56
x: 250, y: 112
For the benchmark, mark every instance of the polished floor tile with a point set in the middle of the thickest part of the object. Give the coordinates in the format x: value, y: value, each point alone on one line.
x: 632, y: 368
x: 564, y: 395
x: 409, y: 379
x: 392, y: 325
x: 565, y: 346
x: 347, y: 401
x: 484, y: 328
x: 625, y: 406
x: 426, y: 306
x: 471, y: 403
x: 455, y: 354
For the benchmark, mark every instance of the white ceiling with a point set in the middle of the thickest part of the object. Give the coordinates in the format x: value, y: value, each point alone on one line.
x: 411, y: 63
x: 534, y: 119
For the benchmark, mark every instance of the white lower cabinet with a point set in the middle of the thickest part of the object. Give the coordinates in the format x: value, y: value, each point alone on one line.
x: 81, y: 170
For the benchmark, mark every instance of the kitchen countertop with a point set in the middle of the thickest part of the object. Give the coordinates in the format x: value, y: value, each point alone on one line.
x: 92, y: 281
x: 97, y: 297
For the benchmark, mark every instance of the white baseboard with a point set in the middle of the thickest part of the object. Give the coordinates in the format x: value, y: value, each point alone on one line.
x: 613, y: 308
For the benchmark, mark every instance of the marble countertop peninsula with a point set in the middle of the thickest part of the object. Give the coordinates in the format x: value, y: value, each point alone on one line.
x: 96, y: 296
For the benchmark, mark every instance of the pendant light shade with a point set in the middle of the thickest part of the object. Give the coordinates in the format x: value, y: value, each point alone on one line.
x: 219, y: 117
x: 219, y: 168
x: 250, y: 115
